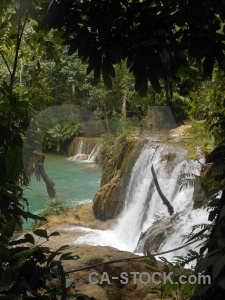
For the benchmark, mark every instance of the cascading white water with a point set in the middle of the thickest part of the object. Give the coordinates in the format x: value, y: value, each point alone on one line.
x: 142, y: 201
x: 79, y: 152
x: 84, y: 157
x: 92, y: 156
x: 80, y: 147
x: 182, y: 227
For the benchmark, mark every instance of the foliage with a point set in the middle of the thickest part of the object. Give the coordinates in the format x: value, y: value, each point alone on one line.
x: 199, y: 139
x: 58, y: 136
x: 108, y: 141
x: 34, y: 272
x: 26, y: 272
x: 158, y: 39
x: 53, y: 207
x: 207, y: 113
x: 173, y: 290
x: 124, y: 126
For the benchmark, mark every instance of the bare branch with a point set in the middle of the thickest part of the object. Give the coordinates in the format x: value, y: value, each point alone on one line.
x: 6, y: 63
x: 164, y: 199
x: 19, y: 39
x: 129, y: 258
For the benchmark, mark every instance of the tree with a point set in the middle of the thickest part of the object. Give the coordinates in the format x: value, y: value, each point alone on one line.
x: 158, y: 39
x: 25, y: 271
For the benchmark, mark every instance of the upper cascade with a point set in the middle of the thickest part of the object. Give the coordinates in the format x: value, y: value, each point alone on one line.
x: 85, y: 149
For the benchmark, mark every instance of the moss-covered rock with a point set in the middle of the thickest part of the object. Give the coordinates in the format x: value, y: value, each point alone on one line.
x: 117, y: 166
x: 105, y: 205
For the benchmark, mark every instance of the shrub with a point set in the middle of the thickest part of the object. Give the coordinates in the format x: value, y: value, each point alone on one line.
x: 54, y: 207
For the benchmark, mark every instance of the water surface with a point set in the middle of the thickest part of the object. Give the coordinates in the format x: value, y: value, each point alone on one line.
x: 72, y: 181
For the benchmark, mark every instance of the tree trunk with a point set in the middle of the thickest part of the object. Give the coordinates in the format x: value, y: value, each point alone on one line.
x: 49, y: 183
x: 124, y: 105
x: 164, y: 199
x: 21, y: 73
x: 106, y: 119
x: 73, y: 93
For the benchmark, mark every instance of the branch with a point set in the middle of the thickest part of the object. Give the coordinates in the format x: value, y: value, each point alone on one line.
x: 199, y: 162
x: 19, y: 39
x: 6, y: 63
x: 129, y: 258
x: 164, y: 199
x: 48, y: 182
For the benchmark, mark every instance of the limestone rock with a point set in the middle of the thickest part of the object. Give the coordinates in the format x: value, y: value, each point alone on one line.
x: 91, y: 167
x: 108, y: 202
x: 152, y: 239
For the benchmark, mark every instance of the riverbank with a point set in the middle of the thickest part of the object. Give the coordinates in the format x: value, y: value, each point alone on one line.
x: 82, y: 215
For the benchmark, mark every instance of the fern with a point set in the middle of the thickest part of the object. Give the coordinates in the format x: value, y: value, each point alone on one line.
x: 188, y: 180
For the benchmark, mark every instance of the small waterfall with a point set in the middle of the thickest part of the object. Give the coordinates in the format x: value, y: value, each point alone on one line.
x: 80, y: 147
x: 92, y: 156
x: 142, y: 202
x: 87, y: 151
x: 79, y: 153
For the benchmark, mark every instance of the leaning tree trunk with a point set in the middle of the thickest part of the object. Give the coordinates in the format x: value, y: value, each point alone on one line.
x: 48, y: 182
x: 164, y: 199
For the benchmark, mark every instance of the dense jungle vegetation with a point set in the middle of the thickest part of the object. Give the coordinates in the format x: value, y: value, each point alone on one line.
x: 115, y: 58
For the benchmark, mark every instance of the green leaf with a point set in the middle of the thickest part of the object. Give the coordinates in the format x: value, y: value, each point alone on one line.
x: 68, y: 256
x: 17, y: 242
x: 42, y: 233
x: 97, y: 74
x: 165, y: 57
x: 64, y: 247
x: 141, y: 85
x: 51, y: 257
x: 155, y: 83
x: 109, y: 68
x: 62, y: 280
x: 29, y: 238
x: 55, y: 233
x: 40, y: 86
x: 106, y: 77
x: 27, y: 214
x: 24, y: 253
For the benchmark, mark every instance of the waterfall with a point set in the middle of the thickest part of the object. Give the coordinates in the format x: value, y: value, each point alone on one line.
x: 87, y: 151
x: 92, y: 156
x: 79, y: 154
x: 80, y: 147
x: 142, y: 202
